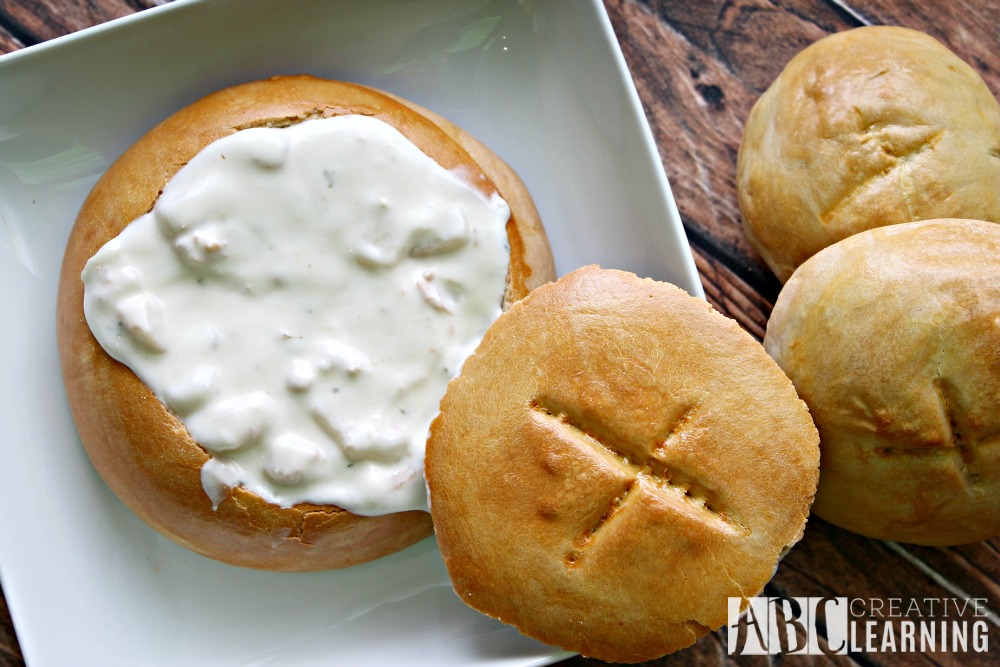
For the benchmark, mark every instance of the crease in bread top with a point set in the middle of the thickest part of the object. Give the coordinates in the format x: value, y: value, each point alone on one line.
x: 647, y: 466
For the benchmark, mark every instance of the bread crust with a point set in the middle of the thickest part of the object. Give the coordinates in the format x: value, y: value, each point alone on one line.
x: 892, y: 337
x: 866, y: 128
x: 139, y: 447
x: 614, y: 461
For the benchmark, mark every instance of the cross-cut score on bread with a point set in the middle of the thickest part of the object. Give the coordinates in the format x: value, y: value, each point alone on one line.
x: 613, y: 463
x: 632, y: 470
x: 958, y: 441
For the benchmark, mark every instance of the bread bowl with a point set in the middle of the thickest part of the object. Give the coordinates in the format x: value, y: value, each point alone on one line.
x: 892, y: 337
x: 613, y: 463
x: 138, y: 444
x: 865, y: 128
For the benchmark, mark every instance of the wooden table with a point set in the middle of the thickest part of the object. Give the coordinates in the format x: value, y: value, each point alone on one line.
x: 698, y: 67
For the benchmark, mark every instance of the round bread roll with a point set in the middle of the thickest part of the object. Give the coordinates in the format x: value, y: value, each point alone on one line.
x: 892, y: 337
x: 614, y: 462
x: 140, y: 448
x: 866, y: 128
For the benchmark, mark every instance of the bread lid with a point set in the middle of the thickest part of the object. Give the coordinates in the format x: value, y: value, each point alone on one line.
x: 614, y: 462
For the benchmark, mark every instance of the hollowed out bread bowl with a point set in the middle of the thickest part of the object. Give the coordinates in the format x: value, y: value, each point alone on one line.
x: 139, y: 447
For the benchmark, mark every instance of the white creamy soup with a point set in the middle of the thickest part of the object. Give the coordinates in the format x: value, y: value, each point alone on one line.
x: 300, y: 297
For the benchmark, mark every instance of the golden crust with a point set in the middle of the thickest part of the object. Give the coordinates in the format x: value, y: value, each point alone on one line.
x: 139, y: 447
x: 892, y: 337
x: 866, y: 128
x: 614, y: 461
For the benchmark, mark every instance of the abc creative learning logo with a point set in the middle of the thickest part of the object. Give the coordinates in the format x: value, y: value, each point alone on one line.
x: 839, y: 625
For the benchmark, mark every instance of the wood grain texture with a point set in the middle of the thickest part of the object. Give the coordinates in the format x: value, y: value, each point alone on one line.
x: 8, y: 42
x: 699, y: 67
x: 970, y: 28
x: 831, y: 561
x: 41, y: 20
x: 10, y: 652
x: 731, y: 295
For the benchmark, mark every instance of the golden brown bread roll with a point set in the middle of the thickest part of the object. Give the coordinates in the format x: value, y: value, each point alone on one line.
x: 865, y: 128
x: 614, y: 461
x: 139, y: 446
x: 892, y: 337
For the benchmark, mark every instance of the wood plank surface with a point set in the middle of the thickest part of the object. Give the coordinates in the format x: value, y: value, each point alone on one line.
x: 39, y: 20
x: 8, y: 42
x: 698, y: 68
x: 10, y: 652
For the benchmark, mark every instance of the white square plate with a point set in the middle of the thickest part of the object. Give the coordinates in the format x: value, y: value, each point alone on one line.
x: 542, y: 82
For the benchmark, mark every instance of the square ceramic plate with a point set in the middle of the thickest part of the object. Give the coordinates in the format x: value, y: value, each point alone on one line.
x: 540, y: 81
